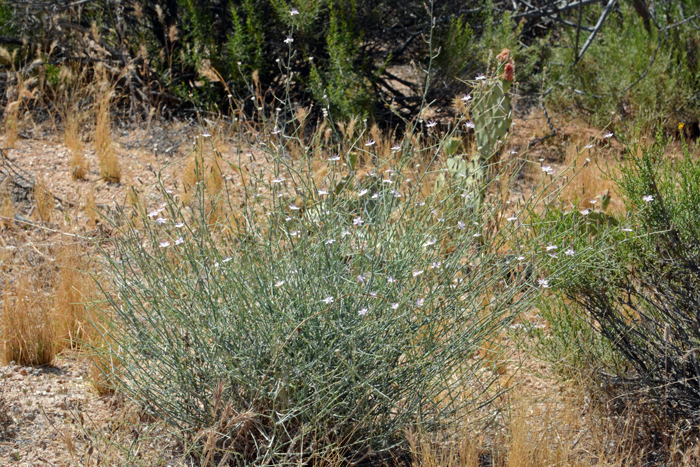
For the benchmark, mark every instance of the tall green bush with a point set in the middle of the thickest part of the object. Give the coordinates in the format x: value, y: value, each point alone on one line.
x: 643, y: 297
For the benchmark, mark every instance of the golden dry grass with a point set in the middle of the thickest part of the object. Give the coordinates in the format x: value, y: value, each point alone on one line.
x: 28, y: 336
x: 73, y: 290
x: 110, y: 169
x: 43, y: 201
x: 71, y: 138
x: 587, y: 189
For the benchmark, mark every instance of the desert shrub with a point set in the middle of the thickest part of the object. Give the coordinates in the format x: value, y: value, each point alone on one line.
x: 330, y: 307
x: 643, y: 298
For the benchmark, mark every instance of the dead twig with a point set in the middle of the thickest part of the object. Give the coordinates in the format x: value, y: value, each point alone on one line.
x: 596, y: 29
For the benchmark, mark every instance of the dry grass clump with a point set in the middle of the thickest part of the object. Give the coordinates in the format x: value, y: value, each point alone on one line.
x: 590, y: 187
x: 74, y: 88
x: 27, y: 330
x: 110, y: 169
x: 71, y: 138
x: 18, y: 90
x: 44, y: 201
x: 73, y: 289
x: 206, y: 169
x: 91, y: 208
x: 7, y: 210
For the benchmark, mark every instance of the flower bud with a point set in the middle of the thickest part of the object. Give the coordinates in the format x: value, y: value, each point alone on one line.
x: 503, y: 56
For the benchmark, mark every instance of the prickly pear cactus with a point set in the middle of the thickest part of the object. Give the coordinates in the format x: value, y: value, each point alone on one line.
x: 491, y: 113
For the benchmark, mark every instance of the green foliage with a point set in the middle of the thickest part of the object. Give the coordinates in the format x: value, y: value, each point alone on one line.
x: 8, y: 27
x: 641, y: 297
x: 623, y: 75
x: 340, y: 84
x: 458, y: 52
x: 245, y: 43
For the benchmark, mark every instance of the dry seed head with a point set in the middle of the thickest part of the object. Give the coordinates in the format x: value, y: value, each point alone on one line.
x: 5, y: 55
x: 208, y: 72
x: 138, y: 11
x: 95, y: 32
x: 172, y: 33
